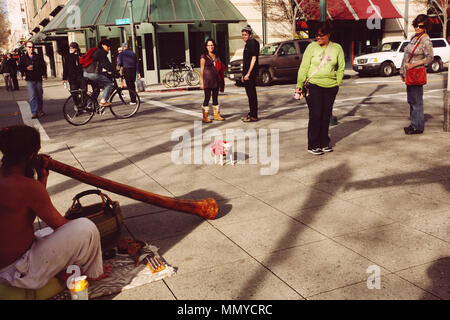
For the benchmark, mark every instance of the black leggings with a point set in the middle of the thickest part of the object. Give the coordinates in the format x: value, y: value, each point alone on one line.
x: 215, y: 96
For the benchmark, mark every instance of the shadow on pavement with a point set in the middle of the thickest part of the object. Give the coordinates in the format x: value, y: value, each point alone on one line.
x: 439, y: 275
x: 248, y: 288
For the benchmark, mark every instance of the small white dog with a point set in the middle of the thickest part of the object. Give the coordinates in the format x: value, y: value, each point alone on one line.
x: 222, y: 149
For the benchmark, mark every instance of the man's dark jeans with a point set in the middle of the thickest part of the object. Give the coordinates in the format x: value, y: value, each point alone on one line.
x: 130, y: 79
x: 250, y: 89
x: 320, y: 103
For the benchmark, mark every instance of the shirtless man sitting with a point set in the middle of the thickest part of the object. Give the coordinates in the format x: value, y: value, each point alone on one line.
x: 25, y: 260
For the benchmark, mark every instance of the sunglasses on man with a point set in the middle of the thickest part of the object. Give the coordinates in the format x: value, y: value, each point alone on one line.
x: 416, y: 25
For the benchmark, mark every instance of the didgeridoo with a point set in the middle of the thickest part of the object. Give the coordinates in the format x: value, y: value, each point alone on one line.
x: 207, y: 208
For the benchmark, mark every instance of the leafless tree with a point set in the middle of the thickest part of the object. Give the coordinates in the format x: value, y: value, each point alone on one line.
x: 441, y: 9
x: 287, y: 12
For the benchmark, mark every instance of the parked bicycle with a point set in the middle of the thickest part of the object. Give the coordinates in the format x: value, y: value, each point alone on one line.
x: 180, y: 74
x: 81, y: 106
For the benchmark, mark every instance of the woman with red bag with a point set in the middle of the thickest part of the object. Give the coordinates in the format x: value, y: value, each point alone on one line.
x: 418, y: 55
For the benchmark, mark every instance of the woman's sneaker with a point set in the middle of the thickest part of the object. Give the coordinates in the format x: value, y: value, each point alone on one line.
x: 327, y: 149
x: 316, y: 151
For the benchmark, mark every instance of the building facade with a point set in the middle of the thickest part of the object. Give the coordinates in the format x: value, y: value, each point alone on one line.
x: 16, y: 14
x: 162, y: 39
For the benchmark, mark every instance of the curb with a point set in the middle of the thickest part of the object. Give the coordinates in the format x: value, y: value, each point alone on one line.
x: 173, y: 90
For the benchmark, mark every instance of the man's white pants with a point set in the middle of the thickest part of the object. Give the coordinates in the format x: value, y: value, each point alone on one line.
x: 75, y: 243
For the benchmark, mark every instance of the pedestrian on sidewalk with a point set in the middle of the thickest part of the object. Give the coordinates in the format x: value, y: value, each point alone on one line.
x: 320, y: 73
x: 250, y: 72
x: 73, y: 71
x: 418, y: 54
x: 211, y: 80
x: 6, y: 75
x: 33, y: 66
x: 11, y: 68
x: 129, y: 63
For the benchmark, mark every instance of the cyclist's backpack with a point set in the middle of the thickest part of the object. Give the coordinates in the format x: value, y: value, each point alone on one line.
x: 86, y: 59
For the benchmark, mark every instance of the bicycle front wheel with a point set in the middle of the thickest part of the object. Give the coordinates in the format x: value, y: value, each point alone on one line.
x: 193, y: 78
x: 77, y: 112
x: 124, y: 103
x: 171, y: 79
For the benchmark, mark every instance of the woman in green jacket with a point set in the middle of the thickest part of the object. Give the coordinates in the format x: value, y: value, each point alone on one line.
x: 321, y: 72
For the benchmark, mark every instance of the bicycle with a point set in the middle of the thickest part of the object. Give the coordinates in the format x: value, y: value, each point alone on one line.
x: 81, y: 106
x: 181, y: 73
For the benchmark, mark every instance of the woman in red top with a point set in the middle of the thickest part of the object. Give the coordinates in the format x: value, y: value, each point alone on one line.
x: 209, y: 80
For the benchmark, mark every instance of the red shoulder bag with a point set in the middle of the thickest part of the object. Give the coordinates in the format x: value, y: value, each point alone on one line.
x: 416, y: 76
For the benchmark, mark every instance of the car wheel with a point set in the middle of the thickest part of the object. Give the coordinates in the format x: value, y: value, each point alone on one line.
x: 436, y: 65
x: 264, y: 77
x: 387, y: 69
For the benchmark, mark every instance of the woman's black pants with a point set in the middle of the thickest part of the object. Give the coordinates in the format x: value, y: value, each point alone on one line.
x: 215, y: 96
x: 320, y: 104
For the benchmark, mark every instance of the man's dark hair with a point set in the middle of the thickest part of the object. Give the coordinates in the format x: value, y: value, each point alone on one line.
x: 105, y: 42
x: 423, y: 18
x: 205, y: 49
x: 18, y: 143
x: 324, y: 28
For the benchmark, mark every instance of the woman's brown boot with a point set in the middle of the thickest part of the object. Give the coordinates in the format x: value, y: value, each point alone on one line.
x: 217, y: 115
x: 205, y: 114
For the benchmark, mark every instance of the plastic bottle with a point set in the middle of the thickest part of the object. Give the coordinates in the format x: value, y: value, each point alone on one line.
x: 79, y: 289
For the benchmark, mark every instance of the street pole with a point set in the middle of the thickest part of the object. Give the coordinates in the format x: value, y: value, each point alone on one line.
x: 406, y: 18
x: 130, y: 4
x: 323, y: 10
x: 446, y: 106
x: 323, y: 18
x: 263, y: 18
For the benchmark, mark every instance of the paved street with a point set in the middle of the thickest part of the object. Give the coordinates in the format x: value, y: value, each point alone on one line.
x: 291, y: 225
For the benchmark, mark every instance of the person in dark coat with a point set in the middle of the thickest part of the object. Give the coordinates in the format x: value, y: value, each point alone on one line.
x: 33, y: 66
x: 11, y: 68
x: 73, y: 71
x: 130, y: 66
x: 250, y: 72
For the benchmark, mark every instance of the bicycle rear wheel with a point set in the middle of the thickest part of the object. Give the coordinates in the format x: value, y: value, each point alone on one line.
x: 122, y: 104
x: 81, y: 113
x: 171, y: 79
x: 193, y: 78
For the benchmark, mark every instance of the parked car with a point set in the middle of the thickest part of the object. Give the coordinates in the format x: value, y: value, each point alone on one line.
x: 388, y: 59
x: 277, y: 61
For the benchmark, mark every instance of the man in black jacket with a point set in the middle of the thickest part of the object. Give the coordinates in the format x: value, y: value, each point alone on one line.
x: 94, y: 71
x: 11, y: 68
x: 250, y: 72
x: 33, y: 66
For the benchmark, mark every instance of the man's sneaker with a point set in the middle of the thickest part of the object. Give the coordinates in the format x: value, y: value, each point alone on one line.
x: 105, y: 104
x: 327, y: 149
x: 316, y: 151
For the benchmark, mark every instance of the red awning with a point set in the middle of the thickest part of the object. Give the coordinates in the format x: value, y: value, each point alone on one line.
x: 351, y: 9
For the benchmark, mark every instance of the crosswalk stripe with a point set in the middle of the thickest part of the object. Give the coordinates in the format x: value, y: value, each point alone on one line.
x: 25, y: 111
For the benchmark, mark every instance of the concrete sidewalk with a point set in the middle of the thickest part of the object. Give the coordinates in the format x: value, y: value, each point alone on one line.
x: 320, y: 228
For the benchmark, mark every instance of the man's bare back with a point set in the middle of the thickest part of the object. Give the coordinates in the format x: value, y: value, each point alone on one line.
x: 21, y: 200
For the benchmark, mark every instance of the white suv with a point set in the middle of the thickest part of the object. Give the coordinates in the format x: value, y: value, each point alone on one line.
x: 389, y: 58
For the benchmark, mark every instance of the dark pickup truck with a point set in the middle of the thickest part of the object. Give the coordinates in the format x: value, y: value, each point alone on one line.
x: 277, y: 61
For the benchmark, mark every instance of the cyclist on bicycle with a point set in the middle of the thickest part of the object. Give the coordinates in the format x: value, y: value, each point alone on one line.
x: 94, y: 71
